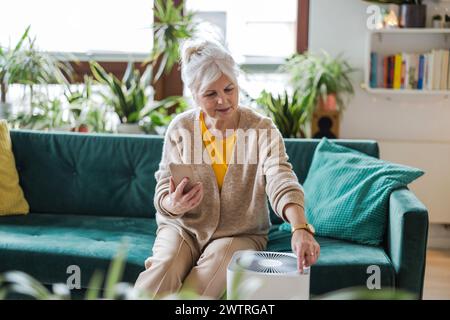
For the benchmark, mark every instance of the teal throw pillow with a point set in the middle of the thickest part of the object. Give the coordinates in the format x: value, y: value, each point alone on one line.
x: 347, y: 193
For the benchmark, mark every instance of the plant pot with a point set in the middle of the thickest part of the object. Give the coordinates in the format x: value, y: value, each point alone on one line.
x: 329, y: 104
x: 437, y: 24
x: 412, y: 15
x: 81, y: 128
x: 63, y: 127
x: 129, y: 128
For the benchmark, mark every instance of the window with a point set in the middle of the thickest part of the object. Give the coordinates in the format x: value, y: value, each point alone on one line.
x: 256, y: 31
x: 99, y: 29
x: 259, y: 33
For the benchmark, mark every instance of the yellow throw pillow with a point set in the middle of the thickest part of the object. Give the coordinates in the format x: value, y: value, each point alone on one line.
x: 12, y: 200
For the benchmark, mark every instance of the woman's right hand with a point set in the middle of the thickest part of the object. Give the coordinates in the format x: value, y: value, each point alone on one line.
x: 177, y: 202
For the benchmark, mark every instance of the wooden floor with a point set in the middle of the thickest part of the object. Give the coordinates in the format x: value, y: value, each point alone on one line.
x: 437, y: 275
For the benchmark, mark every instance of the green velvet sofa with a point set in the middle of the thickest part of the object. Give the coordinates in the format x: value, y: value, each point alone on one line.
x: 87, y: 192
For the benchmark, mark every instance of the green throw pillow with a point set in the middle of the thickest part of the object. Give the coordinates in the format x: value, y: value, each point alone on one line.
x: 347, y: 193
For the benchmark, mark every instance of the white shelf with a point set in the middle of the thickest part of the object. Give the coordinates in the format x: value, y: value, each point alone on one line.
x: 392, y: 41
x: 407, y: 91
x: 412, y: 30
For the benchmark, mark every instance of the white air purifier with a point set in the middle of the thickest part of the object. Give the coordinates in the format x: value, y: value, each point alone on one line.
x: 263, y: 275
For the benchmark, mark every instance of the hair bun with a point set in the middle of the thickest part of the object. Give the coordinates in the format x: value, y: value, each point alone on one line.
x: 191, y: 48
x: 207, y: 38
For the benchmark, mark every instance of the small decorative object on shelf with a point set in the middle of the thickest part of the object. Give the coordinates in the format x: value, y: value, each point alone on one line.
x: 390, y: 20
x: 411, y: 13
x: 447, y: 21
x: 437, y: 21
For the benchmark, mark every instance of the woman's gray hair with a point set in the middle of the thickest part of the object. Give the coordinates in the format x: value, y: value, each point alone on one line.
x: 204, y: 59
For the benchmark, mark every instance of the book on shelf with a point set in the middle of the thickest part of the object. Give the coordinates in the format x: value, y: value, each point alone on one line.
x: 411, y: 71
x: 420, y: 72
x: 397, y: 71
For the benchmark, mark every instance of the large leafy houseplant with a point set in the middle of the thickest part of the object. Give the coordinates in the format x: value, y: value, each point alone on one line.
x: 9, y: 68
x: 25, y: 64
x: 324, y: 78
x: 128, y: 96
x: 75, y: 110
x: 289, y: 113
x: 46, y: 114
x: 89, y: 114
x: 171, y: 26
x: 132, y: 98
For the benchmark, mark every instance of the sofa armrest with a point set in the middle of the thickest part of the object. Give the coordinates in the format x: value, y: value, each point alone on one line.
x: 407, y: 240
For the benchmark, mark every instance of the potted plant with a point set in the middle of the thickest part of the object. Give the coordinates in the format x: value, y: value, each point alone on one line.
x: 46, y: 114
x: 412, y: 13
x: 128, y: 96
x: 8, y: 70
x: 289, y: 113
x: 437, y: 21
x: 324, y: 81
x: 90, y: 116
x: 25, y: 64
x: 132, y: 100
x: 324, y: 78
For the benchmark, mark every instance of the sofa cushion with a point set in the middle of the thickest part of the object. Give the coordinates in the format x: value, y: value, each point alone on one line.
x: 341, y: 264
x: 12, y: 200
x: 44, y: 245
x: 347, y: 193
x: 88, y: 174
x: 301, y: 152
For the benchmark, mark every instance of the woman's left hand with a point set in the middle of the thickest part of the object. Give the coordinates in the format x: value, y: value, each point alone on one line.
x: 306, y: 248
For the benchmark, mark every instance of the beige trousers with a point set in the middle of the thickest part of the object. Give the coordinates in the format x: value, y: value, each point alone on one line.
x: 176, y: 266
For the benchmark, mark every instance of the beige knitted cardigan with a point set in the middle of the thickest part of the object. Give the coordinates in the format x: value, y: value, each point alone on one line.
x: 241, y: 208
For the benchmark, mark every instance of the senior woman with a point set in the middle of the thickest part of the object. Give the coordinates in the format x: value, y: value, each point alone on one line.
x: 226, y: 210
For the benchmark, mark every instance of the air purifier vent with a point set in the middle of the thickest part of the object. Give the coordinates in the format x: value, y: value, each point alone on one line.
x: 268, y: 262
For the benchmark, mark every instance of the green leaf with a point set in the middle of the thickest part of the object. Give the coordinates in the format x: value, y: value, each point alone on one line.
x: 115, y: 271
x: 156, y: 119
x: 22, y: 39
x: 128, y: 75
x: 162, y: 66
x: 95, y: 285
x: 118, y: 91
x: 24, y: 284
x: 100, y: 73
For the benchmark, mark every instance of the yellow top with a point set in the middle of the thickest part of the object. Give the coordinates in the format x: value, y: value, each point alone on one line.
x: 219, y: 150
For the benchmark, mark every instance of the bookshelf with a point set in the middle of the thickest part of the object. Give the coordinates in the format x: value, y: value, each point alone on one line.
x: 411, y: 40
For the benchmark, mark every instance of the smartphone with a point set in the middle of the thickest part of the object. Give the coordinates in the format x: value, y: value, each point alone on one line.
x: 181, y: 171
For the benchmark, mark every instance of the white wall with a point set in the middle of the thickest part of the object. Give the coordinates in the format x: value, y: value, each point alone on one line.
x: 413, y: 130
